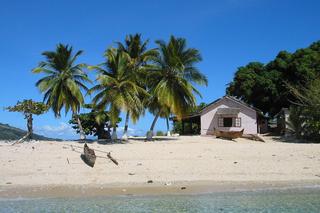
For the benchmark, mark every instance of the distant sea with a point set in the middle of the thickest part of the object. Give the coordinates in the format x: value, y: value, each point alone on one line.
x: 297, y: 200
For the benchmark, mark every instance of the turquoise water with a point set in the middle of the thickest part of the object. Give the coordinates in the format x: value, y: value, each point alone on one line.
x: 306, y: 201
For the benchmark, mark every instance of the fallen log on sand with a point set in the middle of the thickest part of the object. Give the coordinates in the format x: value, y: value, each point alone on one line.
x: 112, y: 159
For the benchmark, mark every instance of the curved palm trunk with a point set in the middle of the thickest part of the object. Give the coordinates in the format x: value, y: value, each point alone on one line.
x: 150, y: 132
x: 82, y: 135
x: 125, y: 135
x: 168, y: 127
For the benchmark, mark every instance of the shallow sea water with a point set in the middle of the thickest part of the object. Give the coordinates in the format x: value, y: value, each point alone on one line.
x: 297, y: 200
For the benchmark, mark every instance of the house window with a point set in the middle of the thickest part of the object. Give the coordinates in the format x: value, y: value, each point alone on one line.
x: 237, y: 122
x: 229, y: 122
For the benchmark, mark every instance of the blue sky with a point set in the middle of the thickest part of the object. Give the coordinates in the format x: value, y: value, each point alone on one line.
x: 228, y: 33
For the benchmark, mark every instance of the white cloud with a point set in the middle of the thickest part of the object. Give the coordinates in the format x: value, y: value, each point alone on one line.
x: 131, y: 132
x: 63, y: 131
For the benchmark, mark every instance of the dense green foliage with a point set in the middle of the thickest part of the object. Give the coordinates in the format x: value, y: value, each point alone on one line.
x: 264, y: 85
x: 96, y: 123
x: 305, y: 111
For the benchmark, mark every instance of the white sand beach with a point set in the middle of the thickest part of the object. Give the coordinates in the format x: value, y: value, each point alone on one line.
x: 169, y: 162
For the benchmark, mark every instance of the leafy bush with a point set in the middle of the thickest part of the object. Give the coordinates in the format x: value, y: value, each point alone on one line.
x: 160, y: 133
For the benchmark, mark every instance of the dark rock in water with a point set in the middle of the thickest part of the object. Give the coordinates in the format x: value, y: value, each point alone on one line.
x: 183, y: 188
x: 150, y: 181
x: 89, y: 157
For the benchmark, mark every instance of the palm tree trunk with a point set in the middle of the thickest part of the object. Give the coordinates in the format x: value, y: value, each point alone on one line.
x: 125, y: 135
x: 29, y: 126
x: 168, y: 127
x: 150, y: 133
x: 114, y: 133
x: 82, y: 135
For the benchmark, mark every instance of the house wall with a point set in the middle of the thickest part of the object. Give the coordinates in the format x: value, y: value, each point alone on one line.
x: 209, y: 118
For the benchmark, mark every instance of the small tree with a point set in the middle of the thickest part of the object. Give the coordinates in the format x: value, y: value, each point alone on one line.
x: 29, y: 108
x: 94, y: 123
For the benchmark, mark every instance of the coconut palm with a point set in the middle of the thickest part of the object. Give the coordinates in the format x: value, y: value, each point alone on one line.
x: 173, y: 77
x: 139, y: 56
x: 159, y: 110
x: 63, y: 81
x: 116, y: 87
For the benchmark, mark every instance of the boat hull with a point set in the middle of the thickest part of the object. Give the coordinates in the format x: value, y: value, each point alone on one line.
x: 228, y: 134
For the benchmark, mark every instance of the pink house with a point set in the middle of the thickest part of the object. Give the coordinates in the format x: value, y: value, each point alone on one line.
x: 229, y: 114
x: 226, y: 114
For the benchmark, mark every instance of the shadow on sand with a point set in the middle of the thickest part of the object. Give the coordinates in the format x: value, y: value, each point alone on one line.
x: 291, y: 139
x: 130, y: 140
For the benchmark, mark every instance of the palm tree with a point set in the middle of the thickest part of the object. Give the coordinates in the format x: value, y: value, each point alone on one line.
x: 139, y: 56
x: 116, y: 87
x: 159, y: 110
x: 173, y: 77
x: 63, y: 81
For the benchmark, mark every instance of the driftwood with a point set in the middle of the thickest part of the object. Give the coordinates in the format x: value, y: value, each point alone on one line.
x: 253, y: 137
x: 89, y: 157
x: 112, y: 159
x: 21, y: 139
x: 228, y: 134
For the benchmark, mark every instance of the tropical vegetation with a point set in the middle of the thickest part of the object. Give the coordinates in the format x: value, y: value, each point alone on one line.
x: 305, y: 110
x: 172, y: 77
x: 63, y: 82
x: 29, y: 108
x: 291, y: 80
x: 94, y: 123
x: 265, y: 85
x: 134, y: 78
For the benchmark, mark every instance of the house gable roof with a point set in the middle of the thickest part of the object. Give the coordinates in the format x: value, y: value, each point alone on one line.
x: 231, y: 98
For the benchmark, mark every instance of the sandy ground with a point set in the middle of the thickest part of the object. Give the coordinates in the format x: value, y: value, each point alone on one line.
x: 168, y: 162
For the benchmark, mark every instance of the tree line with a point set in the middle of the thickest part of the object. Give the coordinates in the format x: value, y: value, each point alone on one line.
x: 132, y: 79
x: 291, y: 80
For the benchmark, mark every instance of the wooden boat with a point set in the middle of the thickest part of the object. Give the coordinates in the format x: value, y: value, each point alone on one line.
x: 228, y: 134
x: 89, y: 157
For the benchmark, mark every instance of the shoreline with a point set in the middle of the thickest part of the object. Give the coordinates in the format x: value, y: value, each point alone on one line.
x: 154, y: 189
